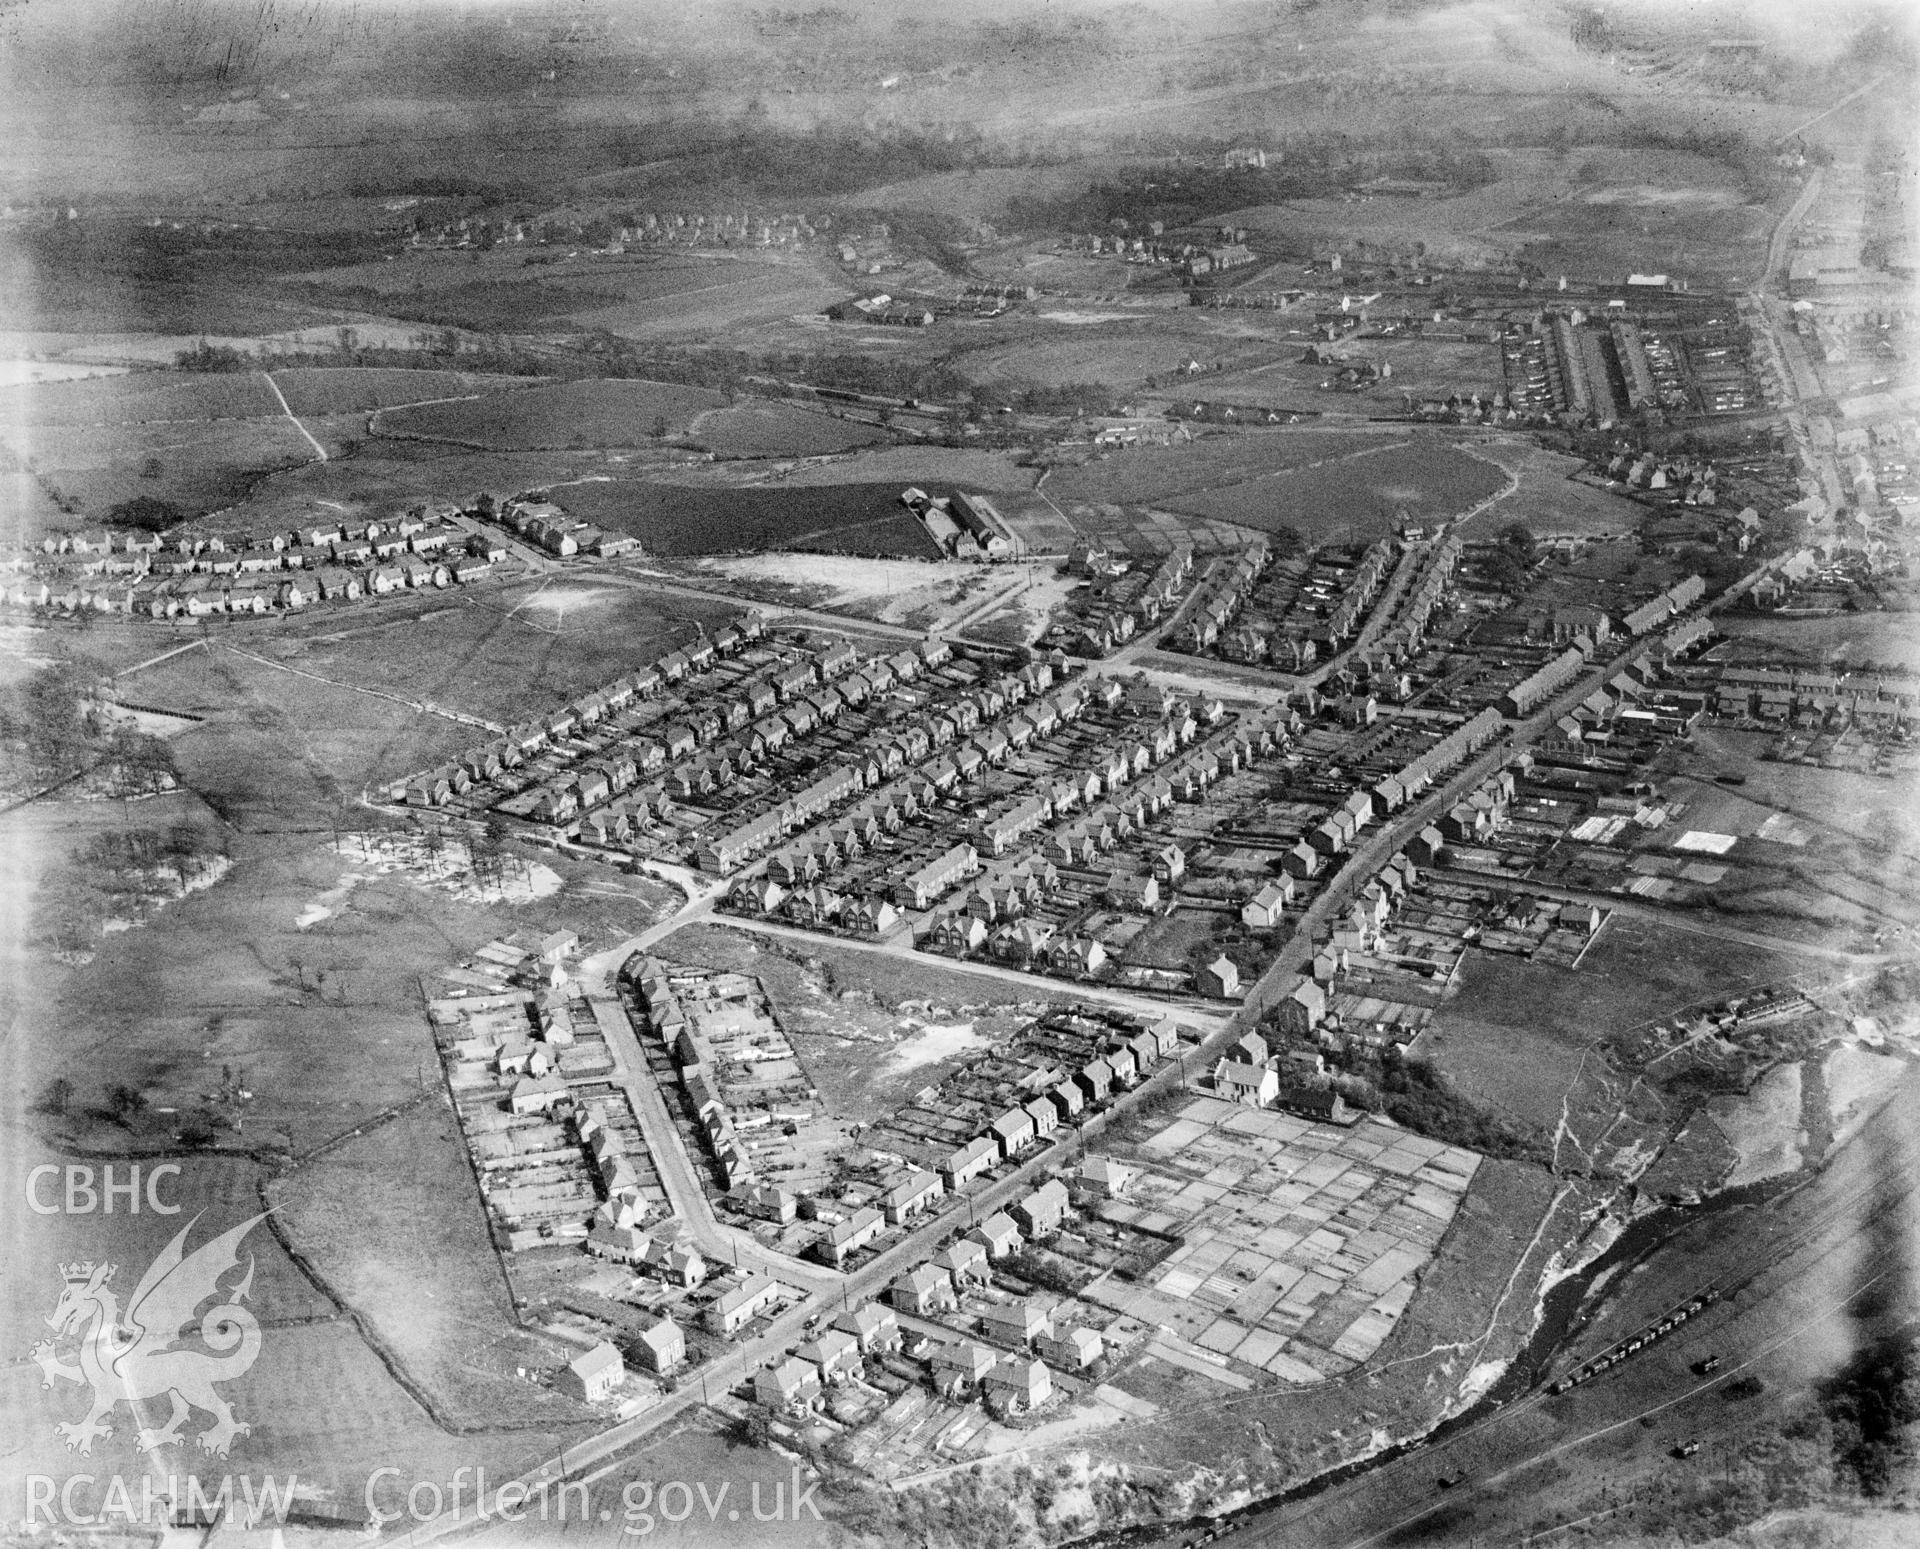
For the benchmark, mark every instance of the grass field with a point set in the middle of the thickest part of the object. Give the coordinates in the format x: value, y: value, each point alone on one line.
x: 319, y: 1401
x: 1421, y: 367
x: 196, y: 465
x: 383, y: 475
x: 1151, y: 532
x: 318, y: 1013
x: 412, y: 1174
x: 1175, y: 475
x: 1156, y: 346
x: 567, y: 414
x: 737, y: 297
x: 1549, y: 500
x: 499, y: 654
x: 29, y: 510
x: 140, y: 397
x: 631, y: 294
x: 754, y: 429
x: 994, y: 472
x: 683, y: 519
x: 1847, y: 639
x: 197, y: 441
x: 1592, y: 211
x: 1367, y: 496
x: 1515, y: 1035
x: 322, y: 390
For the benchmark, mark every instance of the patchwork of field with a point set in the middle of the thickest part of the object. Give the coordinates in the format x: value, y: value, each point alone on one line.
x: 566, y: 414
x: 1301, y: 1242
x: 1366, y: 496
x: 686, y: 519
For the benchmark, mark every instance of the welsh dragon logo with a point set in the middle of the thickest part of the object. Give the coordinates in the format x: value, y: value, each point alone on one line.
x: 138, y: 1354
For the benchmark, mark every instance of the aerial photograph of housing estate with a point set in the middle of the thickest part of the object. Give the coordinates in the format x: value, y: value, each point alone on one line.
x: 1021, y: 774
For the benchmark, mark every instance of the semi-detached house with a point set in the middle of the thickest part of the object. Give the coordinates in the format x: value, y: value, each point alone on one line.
x: 919, y: 889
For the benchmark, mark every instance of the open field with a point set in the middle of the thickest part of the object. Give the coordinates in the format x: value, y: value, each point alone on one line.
x: 732, y: 300
x: 498, y: 654
x: 29, y: 510
x: 1151, y: 532
x: 1155, y: 347
x: 460, y: 1344
x: 1423, y: 367
x: 890, y: 590
x: 1516, y: 1036
x: 141, y: 398
x: 1592, y: 211
x: 1364, y: 496
x: 196, y: 441
x: 1548, y: 500
x: 632, y: 294
x: 1176, y: 475
x: 354, y: 1415
x: 566, y: 414
x: 754, y: 429
x: 1855, y: 639
x: 1879, y: 815
x: 383, y: 476
x: 346, y: 389
x: 994, y: 472
x: 197, y: 465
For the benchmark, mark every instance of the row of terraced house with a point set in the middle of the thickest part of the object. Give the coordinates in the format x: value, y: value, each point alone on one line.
x: 194, y: 576
x: 905, y: 770
x: 792, y: 883
x: 527, y: 740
